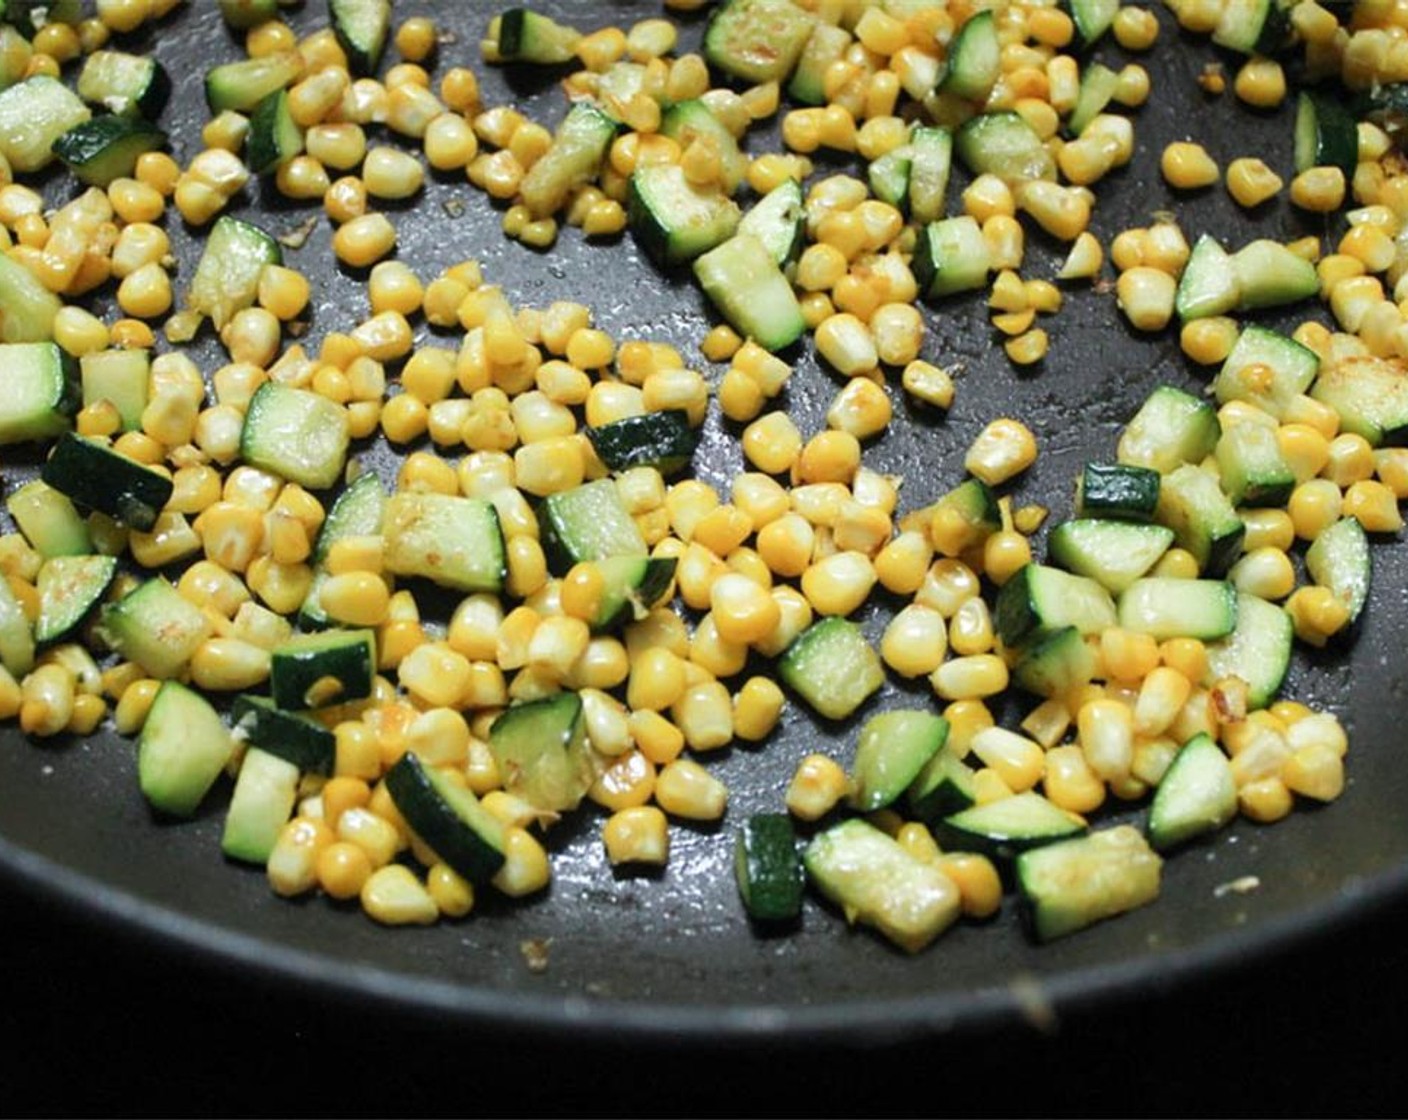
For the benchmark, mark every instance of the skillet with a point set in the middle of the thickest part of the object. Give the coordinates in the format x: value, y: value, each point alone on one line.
x: 673, y: 951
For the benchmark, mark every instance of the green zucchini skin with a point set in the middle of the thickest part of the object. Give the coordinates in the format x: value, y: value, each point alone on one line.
x: 41, y: 381
x: 125, y: 84
x: 292, y: 736
x: 98, y: 477
x: 541, y: 747
x: 69, y: 588
x: 449, y: 819
x: 105, y: 148
x: 273, y: 137
x: 768, y: 868
x: 319, y: 670
x: 663, y: 440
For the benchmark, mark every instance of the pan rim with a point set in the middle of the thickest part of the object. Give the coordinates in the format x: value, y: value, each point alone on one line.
x: 206, y: 944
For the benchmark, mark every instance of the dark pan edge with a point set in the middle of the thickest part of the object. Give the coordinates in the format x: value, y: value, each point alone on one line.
x: 1037, y: 1003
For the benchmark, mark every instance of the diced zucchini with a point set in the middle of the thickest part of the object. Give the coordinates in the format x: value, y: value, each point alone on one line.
x: 1113, y: 553
x: 663, y: 440
x: 451, y: 541
x: 357, y: 512
x: 618, y: 86
x: 157, y: 627
x: 1165, y: 607
x: 16, y: 634
x: 1055, y: 664
x: 945, y: 786
x: 1252, y: 468
x: 930, y: 161
x: 543, y: 753
x: 1171, y: 428
x: 778, y: 220
x: 448, y: 818
x: 880, y: 884
x: 1196, y: 796
x: 688, y: 121
x: 1208, y: 286
x: 1097, y: 89
x: 265, y: 792
x: 1001, y: 829
x: 1257, y: 651
x: 745, y: 283
x: 69, y: 587
x: 274, y: 137
x: 888, y: 176
x: 523, y: 35
x: 33, y: 114
x: 125, y: 84
x: 95, y: 476
x: 1092, y: 18
x: 27, y: 307
x: 631, y: 585
x: 1117, y: 490
x: 1370, y: 394
x: 673, y: 220
x: 832, y: 667
x: 1002, y: 143
x: 893, y: 749
x: 952, y: 256
x: 768, y: 868
x: 1269, y: 275
x: 362, y: 27
x: 48, y: 520
x: 1326, y: 133
x: 826, y: 44
x: 41, y: 391
x: 1266, y: 369
x: 297, y: 434
x: 105, y: 148
x: 121, y: 377
x: 1339, y: 559
x: 292, y: 736
x: 244, y: 84
x: 974, y: 60
x: 182, y: 750
x: 970, y: 515
x: 1192, y: 504
x: 226, y: 280
x: 574, y: 159
x: 757, y: 41
x: 588, y: 522
x: 320, y: 670
x: 1252, y: 26
x: 1074, y: 884
x: 1039, y: 600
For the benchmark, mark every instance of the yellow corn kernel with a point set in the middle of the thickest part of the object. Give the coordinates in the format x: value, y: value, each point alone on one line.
x: 817, y: 786
x: 292, y: 865
x: 637, y: 834
x: 1146, y: 296
x: 757, y: 707
x: 685, y: 789
x: 1188, y: 166
x: 1319, y: 189
x: 1001, y: 451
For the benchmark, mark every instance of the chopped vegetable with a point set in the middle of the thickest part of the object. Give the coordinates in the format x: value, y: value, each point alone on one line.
x: 572, y: 611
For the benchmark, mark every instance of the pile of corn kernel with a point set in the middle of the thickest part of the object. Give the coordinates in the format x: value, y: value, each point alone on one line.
x: 492, y: 404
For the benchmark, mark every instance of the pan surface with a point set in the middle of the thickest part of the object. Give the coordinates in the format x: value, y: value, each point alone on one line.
x: 673, y: 950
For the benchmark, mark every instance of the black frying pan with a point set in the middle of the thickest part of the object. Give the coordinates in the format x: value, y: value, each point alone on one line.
x: 673, y: 951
